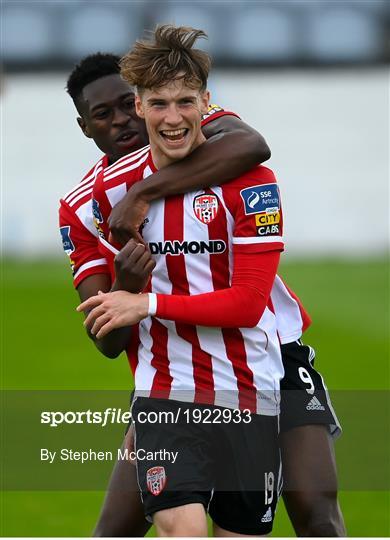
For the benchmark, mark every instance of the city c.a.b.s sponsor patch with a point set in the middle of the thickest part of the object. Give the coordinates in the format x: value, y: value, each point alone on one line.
x: 261, y: 199
x: 212, y: 109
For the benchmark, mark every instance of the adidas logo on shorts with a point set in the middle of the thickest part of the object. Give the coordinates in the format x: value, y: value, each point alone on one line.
x: 314, y: 405
x: 267, y: 516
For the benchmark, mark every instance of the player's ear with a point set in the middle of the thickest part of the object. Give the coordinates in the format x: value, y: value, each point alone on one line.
x: 205, y: 100
x: 138, y: 106
x: 83, y: 127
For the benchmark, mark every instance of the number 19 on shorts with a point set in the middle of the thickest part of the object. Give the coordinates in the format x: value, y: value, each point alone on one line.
x: 269, y: 483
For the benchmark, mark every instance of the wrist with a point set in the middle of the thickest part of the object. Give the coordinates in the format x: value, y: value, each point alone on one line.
x: 150, y: 189
x: 140, y: 191
x: 143, y: 305
x: 115, y: 286
x: 152, y: 304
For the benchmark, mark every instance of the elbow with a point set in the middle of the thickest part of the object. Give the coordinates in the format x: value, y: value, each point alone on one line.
x: 252, y: 312
x: 257, y: 147
x: 263, y: 150
x: 108, y: 351
x: 250, y: 321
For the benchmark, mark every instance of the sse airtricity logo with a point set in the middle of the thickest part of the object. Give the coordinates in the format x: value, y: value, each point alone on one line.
x: 261, y: 199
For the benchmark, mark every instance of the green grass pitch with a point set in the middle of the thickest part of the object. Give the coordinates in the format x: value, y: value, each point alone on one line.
x: 44, y: 347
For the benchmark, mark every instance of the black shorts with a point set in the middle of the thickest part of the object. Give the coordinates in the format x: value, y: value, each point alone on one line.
x: 233, y: 469
x: 304, y: 396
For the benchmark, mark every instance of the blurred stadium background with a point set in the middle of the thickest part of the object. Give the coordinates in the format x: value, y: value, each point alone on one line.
x: 312, y: 76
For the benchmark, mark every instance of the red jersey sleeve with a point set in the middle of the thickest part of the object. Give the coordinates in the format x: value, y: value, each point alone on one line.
x: 254, y: 202
x: 240, y: 306
x: 80, y: 245
x: 214, y: 112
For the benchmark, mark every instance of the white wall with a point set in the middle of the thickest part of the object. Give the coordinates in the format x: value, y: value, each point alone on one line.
x: 328, y: 132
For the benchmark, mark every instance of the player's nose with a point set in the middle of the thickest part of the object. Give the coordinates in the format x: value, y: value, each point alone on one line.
x: 173, y: 116
x: 121, y: 118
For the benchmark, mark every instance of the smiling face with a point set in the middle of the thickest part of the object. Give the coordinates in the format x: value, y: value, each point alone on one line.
x: 108, y: 117
x: 173, y: 115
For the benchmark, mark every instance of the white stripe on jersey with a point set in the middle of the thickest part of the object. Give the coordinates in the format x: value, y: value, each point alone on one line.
x: 129, y: 158
x: 110, y: 175
x: 90, y: 264
x: 116, y: 193
x: 84, y: 213
x: 256, y: 239
x: 288, y: 316
x: 160, y: 281
x: 144, y: 372
x: 182, y: 371
x: 82, y: 189
x: 108, y: 246
x: 261, y: 355
x: 81, y: 196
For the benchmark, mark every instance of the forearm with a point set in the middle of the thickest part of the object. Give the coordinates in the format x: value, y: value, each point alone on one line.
x: 114, y: 343
x: 237, y: 307
x: 241, y: 305
x: 202, y: 168
x: 117, y: 341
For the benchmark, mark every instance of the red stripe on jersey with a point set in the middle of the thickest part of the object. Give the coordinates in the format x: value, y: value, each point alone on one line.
x: 219, y: 264
x: 162, y: 380
x: 213, y: 116
x: 202, y: 364
x: 235, y: 351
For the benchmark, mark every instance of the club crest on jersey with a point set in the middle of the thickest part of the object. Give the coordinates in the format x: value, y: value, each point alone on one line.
x: 261, y: 199
x: 67, y: 243
x: 156, y: 480
x: 206, y: 208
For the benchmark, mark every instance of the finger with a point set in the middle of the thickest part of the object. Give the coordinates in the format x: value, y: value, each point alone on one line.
x: 135, y: 256
x: 128, y: 247
x: 139, y: 268
x: 122, y: 235
x: 149, y: 267
x: 100, y: 321
x: 89, y: 304
x: 137, y: 237
x: 92, y: 315
x: 139, y: 265
x: 107, y: 328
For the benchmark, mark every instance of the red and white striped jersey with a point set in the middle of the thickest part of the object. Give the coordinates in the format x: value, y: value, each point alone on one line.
x: 79, y: 236
x: 78, y: 232
x: 193, y: 238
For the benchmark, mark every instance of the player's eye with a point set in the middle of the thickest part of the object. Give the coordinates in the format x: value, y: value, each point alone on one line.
x: 101, y: 113
x: 129, y: 104
x: 158, y: 104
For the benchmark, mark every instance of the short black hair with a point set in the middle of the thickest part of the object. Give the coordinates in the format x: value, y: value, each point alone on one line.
x: 92, y: 67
